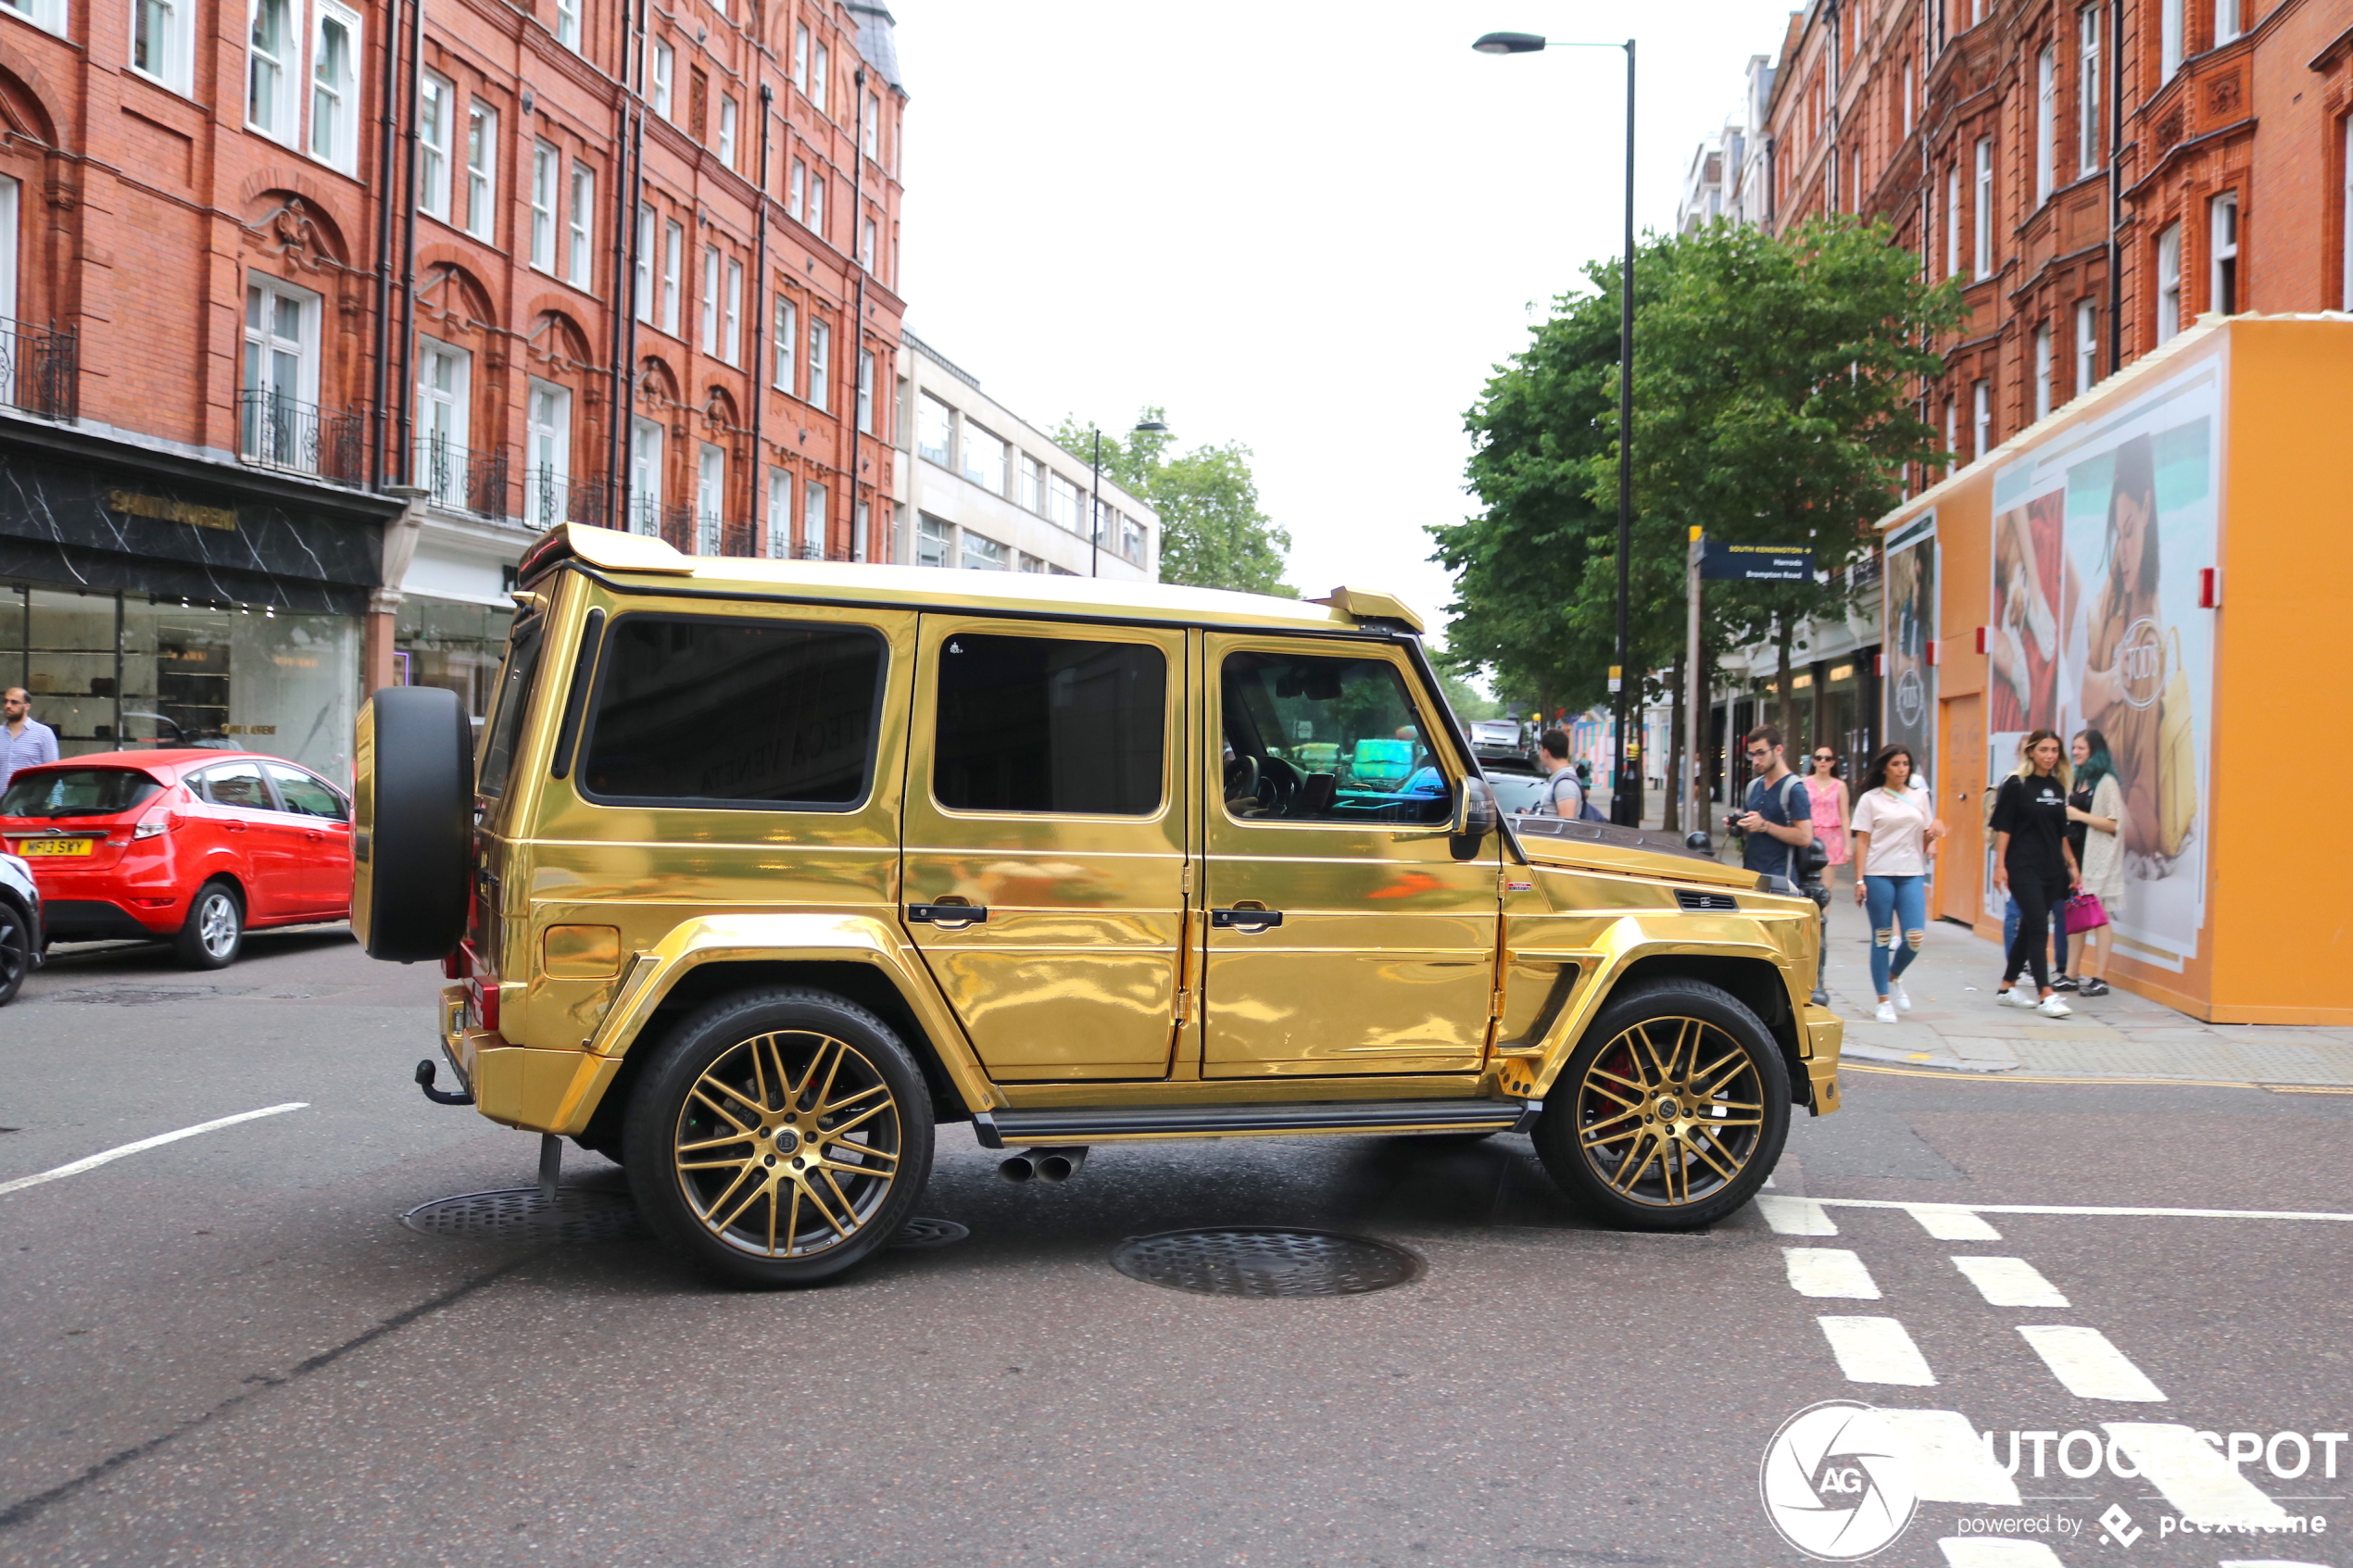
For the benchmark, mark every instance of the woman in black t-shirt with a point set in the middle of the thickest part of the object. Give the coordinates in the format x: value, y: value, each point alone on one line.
x: 2034, y: 863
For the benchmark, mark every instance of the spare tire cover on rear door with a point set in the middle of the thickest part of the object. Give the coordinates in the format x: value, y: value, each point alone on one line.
x: 413, y: 823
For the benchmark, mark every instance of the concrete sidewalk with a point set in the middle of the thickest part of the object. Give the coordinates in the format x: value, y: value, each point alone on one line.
x: 1954, y: 1024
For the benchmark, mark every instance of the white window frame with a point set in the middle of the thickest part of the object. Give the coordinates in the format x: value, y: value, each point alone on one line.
x: 821, y: 72
x: 665, y: 70
x: 437, y: 105
x: 546, y: 449
x: 933, y: 418
x: 1952, y: 221
x: 2222, y: 255
x: 1030, y: 480
x: 860, y: 517
x: 727, y: 112
x: 2169, y: 33
x: 1983, y: 259
x: 2087, y: 346
x: 708, y: 320
x: 482, y: 169
x: 866, y: 391
x: 2226, y: 21
x: 2090, y: 54
x: 646, y: 441
x: 2168, y: 282
x: 306, y: 345
x: 649, y: 234
x: 796, y: 182
x: 820, y: 364
x: 1908, y: 99
x: 1952, y: 431
x: 2042, y: 372
x: 171, y: 65
x: 2045, y: 123
x: 1981, y: 419
x: 568, y: 24
x: 784, y: 349
x: 711, y: 497
x: 673, y: 261
x: 866, y: 244
x: 817, y: 205
x: 731, y: 330
x: 800, y: 55
x: 581, y: 258
x: 780, y: 528
x: 816, y: 515
x: 547, y: 166
x: 49, y: 16
x: 455, y: 420
x: 280, y: 94
x: 869, y: 128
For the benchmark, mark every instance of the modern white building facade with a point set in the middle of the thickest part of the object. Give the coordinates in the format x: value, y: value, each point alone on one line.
x: 982, y: 488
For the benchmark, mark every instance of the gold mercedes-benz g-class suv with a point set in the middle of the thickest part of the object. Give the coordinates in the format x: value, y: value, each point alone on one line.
x: 767, y: 867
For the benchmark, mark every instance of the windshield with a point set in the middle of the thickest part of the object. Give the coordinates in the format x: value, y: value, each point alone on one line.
x: 507, y: 708
x: 78, y: 792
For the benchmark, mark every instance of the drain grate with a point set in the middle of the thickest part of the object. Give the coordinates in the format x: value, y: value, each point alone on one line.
x: 1250, y: 1261
x: 522, y: 1214
x: 921, y: 1232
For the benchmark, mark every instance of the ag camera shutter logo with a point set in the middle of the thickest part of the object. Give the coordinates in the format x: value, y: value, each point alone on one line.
x: 1839, y: 1481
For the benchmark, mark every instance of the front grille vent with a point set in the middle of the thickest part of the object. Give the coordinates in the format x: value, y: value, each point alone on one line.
x: 1691, y: 900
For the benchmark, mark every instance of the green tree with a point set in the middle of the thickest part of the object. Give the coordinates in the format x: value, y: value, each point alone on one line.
x: 1212, y: 533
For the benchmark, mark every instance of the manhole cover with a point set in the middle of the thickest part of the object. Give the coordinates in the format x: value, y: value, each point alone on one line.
x: 1265, y: 1262
x: 523, y: 1215
x: 921, y: 1232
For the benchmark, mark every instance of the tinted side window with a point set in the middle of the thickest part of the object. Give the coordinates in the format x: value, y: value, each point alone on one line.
x: 1047, y: 724
x: 305, y: 796
x: 238, y: 783
x: 508, y: 708
x: 1311, y: 738
x: 745, y: 712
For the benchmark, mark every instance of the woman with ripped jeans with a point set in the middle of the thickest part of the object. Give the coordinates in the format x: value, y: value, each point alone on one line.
x: 1895, y: 823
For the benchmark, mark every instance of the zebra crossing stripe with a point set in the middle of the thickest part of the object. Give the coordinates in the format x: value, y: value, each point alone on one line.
x: 1828, y: 1270
x: 2202, y: 1486
x: 1952, y: 1466
x: 2011, y: 1282
x: 1796, y: 1216
x: 2089, y: 1367
x: 1950, y: 1222
x: 1877, y: 1350
x: 1989, y: 1551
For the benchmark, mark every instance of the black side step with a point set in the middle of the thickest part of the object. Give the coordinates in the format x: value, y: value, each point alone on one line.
x: 1068, y: 1124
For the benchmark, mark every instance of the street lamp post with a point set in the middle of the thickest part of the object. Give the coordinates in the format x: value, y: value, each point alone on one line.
x: 1095, y: 492
x: 1626, y: 789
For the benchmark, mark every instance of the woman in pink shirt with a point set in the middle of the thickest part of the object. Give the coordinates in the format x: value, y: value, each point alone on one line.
x: 1827, y: 791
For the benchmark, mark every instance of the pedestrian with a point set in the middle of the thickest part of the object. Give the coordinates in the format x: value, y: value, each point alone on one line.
x: 1778, y: 827
x: 1565, y: 792
x: 2009, y: 905
x: 2034, y: 864
x: 2095, y: 832
x: 24, y: 740
x: 1829, y: 795
x: 1896, y: 823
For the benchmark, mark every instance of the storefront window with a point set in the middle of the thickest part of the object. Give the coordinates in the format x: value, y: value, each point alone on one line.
x: 455, y: 646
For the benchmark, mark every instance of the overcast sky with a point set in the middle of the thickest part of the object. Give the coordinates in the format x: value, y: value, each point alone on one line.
x: 1311, y: 227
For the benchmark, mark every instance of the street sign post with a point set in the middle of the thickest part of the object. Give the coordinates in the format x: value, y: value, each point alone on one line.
x: 1713, y: 562
x: 1755, y: 563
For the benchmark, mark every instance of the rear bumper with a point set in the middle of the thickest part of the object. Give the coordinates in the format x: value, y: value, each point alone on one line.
x: 89, y: 919
x: 540, y: 1091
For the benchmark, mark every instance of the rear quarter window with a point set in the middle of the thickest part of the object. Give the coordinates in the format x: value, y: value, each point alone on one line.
x: 701, y: 711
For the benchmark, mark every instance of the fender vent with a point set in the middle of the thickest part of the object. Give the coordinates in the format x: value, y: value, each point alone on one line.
x: 1689, y: 900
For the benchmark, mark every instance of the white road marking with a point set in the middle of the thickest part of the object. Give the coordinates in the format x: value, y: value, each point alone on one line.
x: 2105, y: 1211
x: 1796, y: 1216
x: 1987, y: 1552
x: 2197, y: 1480
x: 2011, y: 1282
x: 1828, y: 1270
x: 2265, y: 1562
x: 2090, y: 1367
x: 1950, y: 1222
x: 92, y: 1163
x: 1952, y: 1466
x: 1877, y: 1350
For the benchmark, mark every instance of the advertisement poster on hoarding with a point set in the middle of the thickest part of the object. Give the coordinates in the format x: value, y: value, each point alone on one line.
x: 2099, y: 537
x: 1910, y: 686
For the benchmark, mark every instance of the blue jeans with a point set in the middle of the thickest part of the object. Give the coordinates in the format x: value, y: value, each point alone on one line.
x: 2058, y: 936
x: 1898, y: 907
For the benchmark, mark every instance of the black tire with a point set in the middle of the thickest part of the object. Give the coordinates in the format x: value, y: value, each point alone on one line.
x: 1679, y: 1043
x: 413, y: 823
x: 744, y: 1212
x: 16, y: 951
x: 214, y: 932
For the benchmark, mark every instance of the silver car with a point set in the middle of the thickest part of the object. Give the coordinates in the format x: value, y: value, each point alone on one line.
x: 20, y: 941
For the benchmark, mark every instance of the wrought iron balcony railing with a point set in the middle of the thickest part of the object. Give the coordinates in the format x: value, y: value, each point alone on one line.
x: 550, y: 497
x: 460, y: 478
x: 40, y: 369
x: 277, y: 432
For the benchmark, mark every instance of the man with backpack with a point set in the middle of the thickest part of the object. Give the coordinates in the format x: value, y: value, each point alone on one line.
x: 1779, y: 824
x: 1565, y: 794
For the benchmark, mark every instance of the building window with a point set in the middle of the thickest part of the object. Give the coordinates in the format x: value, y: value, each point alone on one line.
x: 545, y: 161
x: 282, y: 374
x: 1908, y: 97
x: 820, y: 78
x: 547, y: 454
x: 795, y: 184
x: 1032, y: 479
x: 869, y: 128
x: 820, y: 360
x: 1952, y: 431
x: 866, y: 391
x: 584, y: 217
x: 817, y: 206
x: 935, y: 540
x: 1062, y: 502
x: 860, y: 540
x: 985, y: 459
x: 1983, y: 215
x: 1131, y: 540
x: 270, y: 106
x: 665, y: 69
x: 816, y: 518
x: 782, y: 333
x: 710, y: 496
x: 2088, y: 89
x: 779, y: 513
x: 645, y: 476
x: 2046, y: 122
x: 434, y: 110
x: 731, y: 318
x: 698, y: 105
x: 800, y: 55
x: 674, y: 252
x: 1981, y: 419
x: 568, y: 23
x: 727, y: 131
x: 2168, y: 282
x: 2223, y: 220
x: 482, y: 165
x: 1952, y: 221
x: 708, y: 336
x: 2169, y: 35
x: 49, y: 16
x: 444, y: 380
x: 932, y: 425
x: 644, y: 276
x: 2087, y: 357
x: 866, y: 246
x: 160, y: 41
x: 2226, y: 21
x: 984, y: 554
x: 2042, y: 372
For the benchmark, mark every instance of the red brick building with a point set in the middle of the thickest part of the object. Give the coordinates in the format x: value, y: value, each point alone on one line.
x: 318, y: 310
x: 2098, y: 175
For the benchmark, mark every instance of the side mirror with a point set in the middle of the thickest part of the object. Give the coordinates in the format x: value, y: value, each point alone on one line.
x: 1475, y: 818
x: 1699, y: 844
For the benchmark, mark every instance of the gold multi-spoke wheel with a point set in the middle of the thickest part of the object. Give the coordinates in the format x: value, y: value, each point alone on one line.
x: 790, y: 1133
x: 1672, y: 1113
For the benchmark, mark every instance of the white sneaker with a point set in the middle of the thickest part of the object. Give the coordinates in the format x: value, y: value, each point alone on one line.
x: 2051, y: 1007
x: 2016, y: 996
x: 1895, y: 994
x: 1885, y: 1014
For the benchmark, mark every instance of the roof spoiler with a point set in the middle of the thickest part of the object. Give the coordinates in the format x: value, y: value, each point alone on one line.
x: 1372, y: 605
x: 600, y: 547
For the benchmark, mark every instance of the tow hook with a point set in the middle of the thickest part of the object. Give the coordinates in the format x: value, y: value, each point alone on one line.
x: 426, y: 1072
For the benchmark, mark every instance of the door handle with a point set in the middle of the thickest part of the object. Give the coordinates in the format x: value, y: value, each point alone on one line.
x: 1247, y: 918
x: 948, y: 914
x: 233, y: 826
x: 314, y: 835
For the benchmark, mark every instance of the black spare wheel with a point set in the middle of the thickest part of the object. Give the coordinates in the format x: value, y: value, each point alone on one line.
x: 413, y: 823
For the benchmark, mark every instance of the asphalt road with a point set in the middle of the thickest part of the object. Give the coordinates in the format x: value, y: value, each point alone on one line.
x: 228, y: 1350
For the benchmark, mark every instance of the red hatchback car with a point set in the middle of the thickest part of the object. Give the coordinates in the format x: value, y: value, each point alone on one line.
x: 190, y: 846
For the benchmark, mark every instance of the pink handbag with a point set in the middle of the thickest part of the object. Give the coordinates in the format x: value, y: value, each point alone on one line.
x: 2084, y: 913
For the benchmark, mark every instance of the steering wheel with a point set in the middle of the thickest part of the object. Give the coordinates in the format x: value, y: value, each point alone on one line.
x: 1242, y: 777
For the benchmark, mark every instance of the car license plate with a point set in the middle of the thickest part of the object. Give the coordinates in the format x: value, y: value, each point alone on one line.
x: 29, y: 847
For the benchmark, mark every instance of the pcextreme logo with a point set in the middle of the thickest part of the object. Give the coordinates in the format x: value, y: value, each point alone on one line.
x: 1837, y: 1481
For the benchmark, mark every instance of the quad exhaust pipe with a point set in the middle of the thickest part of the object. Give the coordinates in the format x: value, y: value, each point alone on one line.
x: 1042, y: 1165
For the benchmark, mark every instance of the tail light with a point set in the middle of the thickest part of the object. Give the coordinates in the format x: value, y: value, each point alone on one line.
x: 154, y: 824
